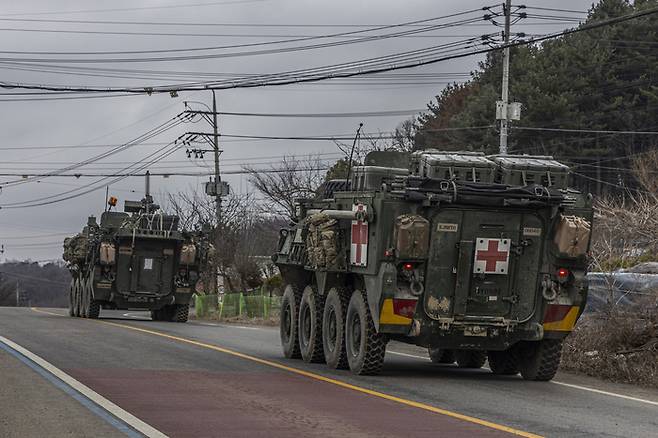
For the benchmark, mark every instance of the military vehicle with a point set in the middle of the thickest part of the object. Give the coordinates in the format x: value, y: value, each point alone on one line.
x: 136, y: 259
x: 474, y: 257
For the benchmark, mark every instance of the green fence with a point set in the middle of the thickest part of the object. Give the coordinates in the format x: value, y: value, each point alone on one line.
x: 237, y: 305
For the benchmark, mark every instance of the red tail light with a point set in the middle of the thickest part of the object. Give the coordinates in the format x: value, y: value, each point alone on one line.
x: 408, y: 267
x: 562, y: 274
x: 404, y: 307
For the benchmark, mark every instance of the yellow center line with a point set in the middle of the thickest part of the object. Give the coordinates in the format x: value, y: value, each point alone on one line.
x: 321, y: 378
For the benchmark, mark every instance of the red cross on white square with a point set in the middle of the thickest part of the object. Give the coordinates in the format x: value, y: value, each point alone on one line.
x: 491, y: 256
x: 359, y: 247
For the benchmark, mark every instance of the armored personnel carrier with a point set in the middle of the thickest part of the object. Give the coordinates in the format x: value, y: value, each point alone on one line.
x: 136, y: 259
x: 474, y: 257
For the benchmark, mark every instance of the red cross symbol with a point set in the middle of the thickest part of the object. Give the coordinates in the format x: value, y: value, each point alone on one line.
x: 359, y: 238
x: 491, y: 256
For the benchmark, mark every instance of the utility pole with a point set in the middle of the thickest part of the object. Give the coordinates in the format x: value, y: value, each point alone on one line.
x: 217, y: 188
x: 504, y: 121
x: 218, y: 179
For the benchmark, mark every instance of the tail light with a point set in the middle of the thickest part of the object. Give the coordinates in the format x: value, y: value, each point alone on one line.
x: 407, y: 267
x: 404, y: 307
x: 563, y: 275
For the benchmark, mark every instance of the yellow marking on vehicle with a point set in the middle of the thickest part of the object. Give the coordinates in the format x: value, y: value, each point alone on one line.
x: 564, y: 325
x: 388, y: 316
x: 320, y: 377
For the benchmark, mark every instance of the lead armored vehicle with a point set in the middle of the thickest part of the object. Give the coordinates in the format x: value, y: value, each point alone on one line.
x: 474, y: 257
x: 136, y: 259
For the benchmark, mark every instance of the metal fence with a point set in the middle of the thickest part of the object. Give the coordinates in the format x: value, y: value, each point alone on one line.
x: 237, y: 305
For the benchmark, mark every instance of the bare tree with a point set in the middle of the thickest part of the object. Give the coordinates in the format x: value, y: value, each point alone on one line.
x: 291, y: 179
x: 239, y: 239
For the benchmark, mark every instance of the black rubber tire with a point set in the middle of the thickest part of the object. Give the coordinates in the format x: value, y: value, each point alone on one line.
x: 504, y: 362
x: 310, y: 326
x: 365, y: 347
x: 441, y: 355
x: 84, y: 309
x: 77, y: 299
x: 333, y: 328
x: 540, y: 360
x: 470, y: 358
x: 180, y: 313
x: 72, y: 299
x: 94, y: 309
x: 288, y: 329
x: 156, y: 314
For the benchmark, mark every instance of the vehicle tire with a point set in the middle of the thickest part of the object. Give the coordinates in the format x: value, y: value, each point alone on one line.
x: 180, y: 313
x: 77, y: 299
x: 156, y: 315
x: 288, y: 329
x: 441, y: 355
x: 470, y: 358
x: 504, y: 362
x: 365, y: 347
x: 72, y: 298
x: 84, y: 309
x: 310, y: 326
x: 540, y: 360
x: 94, y: 309
x: 93, y: 306
x: 333, y: 328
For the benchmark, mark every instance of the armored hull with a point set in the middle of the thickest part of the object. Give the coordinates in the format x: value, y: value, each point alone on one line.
x: 467, y: 255
x: 133, y: 261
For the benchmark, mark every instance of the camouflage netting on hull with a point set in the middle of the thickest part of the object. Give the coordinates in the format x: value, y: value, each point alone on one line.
x: 75, y: 248
x: 321, y: 241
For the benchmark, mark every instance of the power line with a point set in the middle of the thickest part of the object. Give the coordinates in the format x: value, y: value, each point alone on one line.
x: 84, y: 11
x: 590, y: 131
x: 409, y: 60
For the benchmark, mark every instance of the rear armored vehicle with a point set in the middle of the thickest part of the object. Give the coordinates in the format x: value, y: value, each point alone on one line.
x: 136, y: 259
x: 473, y: 257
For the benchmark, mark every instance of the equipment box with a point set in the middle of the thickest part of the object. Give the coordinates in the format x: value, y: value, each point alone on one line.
x: 371, y: 177
x: 463, y: 166
x: 523, y: 170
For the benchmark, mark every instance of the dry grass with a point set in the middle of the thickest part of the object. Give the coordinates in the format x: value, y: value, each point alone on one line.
x: 620, y: 346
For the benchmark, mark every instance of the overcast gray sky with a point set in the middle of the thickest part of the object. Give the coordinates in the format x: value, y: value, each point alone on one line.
x: 32, y: 129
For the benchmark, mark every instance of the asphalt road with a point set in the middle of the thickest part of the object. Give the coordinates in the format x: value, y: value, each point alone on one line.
x: 203, y: 379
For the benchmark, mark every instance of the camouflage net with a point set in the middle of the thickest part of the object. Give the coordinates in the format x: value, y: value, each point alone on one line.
x: 321, y: 241
x: 75, y: 249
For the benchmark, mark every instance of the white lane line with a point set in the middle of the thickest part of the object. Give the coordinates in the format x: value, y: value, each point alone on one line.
x: 611, y: 394
x: 570, y: 385
x: 101, y: 401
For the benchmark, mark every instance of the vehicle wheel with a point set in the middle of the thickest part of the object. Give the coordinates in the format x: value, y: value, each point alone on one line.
x: 181, y: 313
x: 288, y: 328
x: 72, y: 299
x: 364, y: 346
x: 504, y: 362
x: 441, y: 355
x: 333, y: 328
x: 93, y: 306
x: 310, y: 326
x: 94, y: 309
x: 84, y: 309
x: 540, y: 360
x: 77, y: 298
x: 470, y: 358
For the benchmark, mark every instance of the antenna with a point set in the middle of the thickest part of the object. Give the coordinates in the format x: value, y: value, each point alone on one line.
x: 107, y: 194
x: 349, y: 163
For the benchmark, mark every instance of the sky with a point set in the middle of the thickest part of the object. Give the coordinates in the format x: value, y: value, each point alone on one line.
x: 41, y: 38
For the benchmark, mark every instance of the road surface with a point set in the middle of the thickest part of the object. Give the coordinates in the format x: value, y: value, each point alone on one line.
x: 201, y: 379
